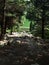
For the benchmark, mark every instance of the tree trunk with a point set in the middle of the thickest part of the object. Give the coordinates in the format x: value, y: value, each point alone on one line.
x: 11, y: 27
x: 43, y: 20
x: 3, y: 27
x: 30, y: 26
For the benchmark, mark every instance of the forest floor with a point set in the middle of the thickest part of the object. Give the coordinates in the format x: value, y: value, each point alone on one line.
x: 24, y: 50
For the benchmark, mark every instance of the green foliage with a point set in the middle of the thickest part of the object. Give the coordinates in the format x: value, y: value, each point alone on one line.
x: 38, y: 10
x: 16, y: 7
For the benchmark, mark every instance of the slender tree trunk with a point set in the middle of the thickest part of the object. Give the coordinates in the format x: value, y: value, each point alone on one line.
x: 11, y: 27
x: 31, y: 26
x: 3, y: 28
x: 43, y: 20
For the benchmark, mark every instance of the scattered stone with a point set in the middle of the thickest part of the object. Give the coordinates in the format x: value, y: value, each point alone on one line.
x: 3, y: 42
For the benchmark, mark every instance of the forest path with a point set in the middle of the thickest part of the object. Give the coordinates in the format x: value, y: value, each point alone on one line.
x: 24, y: 50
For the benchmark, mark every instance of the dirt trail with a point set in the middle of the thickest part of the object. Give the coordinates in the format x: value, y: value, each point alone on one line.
x: 24, y: 50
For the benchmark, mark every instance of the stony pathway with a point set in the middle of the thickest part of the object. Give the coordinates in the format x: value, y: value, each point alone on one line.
x: 24, y: 50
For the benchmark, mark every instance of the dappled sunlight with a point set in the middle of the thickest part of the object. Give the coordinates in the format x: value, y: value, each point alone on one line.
x: 24, y: 32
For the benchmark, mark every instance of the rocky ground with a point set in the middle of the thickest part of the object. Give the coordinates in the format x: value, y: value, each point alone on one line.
x: 24, y: 50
